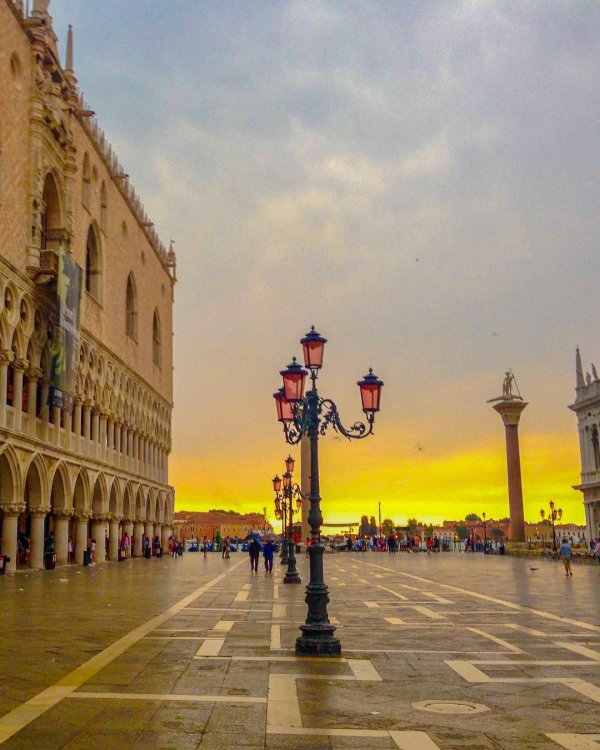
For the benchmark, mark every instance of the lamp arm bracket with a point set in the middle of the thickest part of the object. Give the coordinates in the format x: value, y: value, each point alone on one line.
x: 330, y: 417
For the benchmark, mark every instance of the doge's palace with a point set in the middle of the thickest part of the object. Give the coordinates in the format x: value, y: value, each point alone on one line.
x: 86, y: 298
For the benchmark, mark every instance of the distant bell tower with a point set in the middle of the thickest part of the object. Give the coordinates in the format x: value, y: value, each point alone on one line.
x: 510, y: 406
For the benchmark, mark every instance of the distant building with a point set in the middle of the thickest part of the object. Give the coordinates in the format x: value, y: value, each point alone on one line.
x: 199, y: 524
x: 587, y: 408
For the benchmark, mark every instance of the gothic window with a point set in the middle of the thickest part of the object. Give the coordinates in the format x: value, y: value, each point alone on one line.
x: 131, y: 308
x: 156, y: 353
x: 596, y: 447
x: 103, y: 208
x: 87, y: 181
x: 93, y: 265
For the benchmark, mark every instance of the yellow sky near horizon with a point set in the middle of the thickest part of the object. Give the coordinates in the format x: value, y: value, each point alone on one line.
x: 448, y: 485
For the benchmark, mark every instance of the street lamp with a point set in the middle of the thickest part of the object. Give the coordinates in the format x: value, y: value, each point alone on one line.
x: 284, y: 509
x: 310, y: 415
x: 283, y: 552
x: 554, y: 515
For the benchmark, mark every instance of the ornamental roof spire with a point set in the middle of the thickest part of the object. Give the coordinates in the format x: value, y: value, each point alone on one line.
x: 40, y: 8
x: 69, y: 57
x: 579, y: 370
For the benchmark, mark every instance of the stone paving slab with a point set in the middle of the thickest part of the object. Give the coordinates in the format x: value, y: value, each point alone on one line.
x: 441, y: 651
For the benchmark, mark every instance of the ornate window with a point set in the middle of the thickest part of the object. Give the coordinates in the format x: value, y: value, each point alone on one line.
x: 93, y: 265
x: 131, y: 308
x: 51, y: 219
x: 156, y: 353
x: 87, y: 182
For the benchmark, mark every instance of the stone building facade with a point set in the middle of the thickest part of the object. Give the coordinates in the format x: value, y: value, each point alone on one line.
x: 587, y: 408
x: 99, y: 467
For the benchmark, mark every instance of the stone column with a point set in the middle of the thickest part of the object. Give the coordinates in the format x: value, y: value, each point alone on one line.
x: 103, y: 435
x: 99, y: 534
x: 61, y: 534
x: 165, y: 533
x: 38, y: 517
x: 87, y: 418
x: 19, y: 367
x: 34, y: 374
x: 77, y: 421
x: 81, y: 535
x: 510, y: 410
x: 96, y: 432
x: 137, y: 538
x: 6, y: 357
x: 113, y: 539
x: 10, y: 518
x: 149, y: 530
x: 110, y: 433
x: 156, y: 531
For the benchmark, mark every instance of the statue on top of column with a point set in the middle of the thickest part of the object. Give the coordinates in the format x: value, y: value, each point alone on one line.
x: 507, y: 389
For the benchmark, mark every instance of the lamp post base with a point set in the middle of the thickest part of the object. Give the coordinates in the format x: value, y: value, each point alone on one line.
x: 318, y: 640
x: 291, y: 576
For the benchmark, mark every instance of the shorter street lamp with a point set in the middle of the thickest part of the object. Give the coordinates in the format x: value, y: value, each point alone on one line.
x: 285, y: 510
x: 554, y: 515
x: 484, y: 534
x: 283, y: 552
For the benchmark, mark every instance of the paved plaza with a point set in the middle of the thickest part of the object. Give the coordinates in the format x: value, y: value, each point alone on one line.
x: 443, y: 651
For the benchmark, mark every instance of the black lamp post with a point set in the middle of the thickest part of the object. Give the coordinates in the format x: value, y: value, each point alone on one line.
x: 283, y: 552
x: 312, y: 415
x: 284, y: 508
x: 554, y: 515
x: 484, y: 534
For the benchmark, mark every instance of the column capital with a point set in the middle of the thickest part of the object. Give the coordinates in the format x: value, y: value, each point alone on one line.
x: 88, y: 403
x: 82, y: 514
x: 40, y: 510
x: 20, y: 364
x: 35, y: 373
x: 101, y: 517
x: 114, y: 518
x: 79, y: 399
x: 62, y: 512
x: 13, y: 509
x: 6, y: 357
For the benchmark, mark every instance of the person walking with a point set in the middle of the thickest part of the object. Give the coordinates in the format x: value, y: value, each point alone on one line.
x: 254, y: 552
x: 597, y: 550
x: 565, y: 554
x: 268, y: 550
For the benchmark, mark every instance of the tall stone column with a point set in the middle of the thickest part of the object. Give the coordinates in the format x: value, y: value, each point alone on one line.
x: 10, y: 518
x: 38, y: 517
x: 156, y: 531
x: 77, y: 422
x: 99, y: 534
x: 103, y: 435
x: 149, y: 530
x: 81, y: 535
x: 19, y: 367
x: 113, y: 539
x: 137, y: 538
x: 96, y: 432
x: 165, y: 533
x: 61, y: 534
x: 87, y: 418
x: 510, y: 410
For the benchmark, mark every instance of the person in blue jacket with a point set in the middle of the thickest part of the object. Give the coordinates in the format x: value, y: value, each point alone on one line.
x: 268, y: 550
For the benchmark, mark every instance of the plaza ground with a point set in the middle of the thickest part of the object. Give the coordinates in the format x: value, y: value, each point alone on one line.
x: 443, y: 651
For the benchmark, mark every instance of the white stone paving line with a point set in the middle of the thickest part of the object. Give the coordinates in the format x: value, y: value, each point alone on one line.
x: 168, y: 697
x: 428, y: 612
x: 469, y: 672
x: 499, y: 641
x: 20, y: 717
x: 576, y: 741
x: 495, y: 600
x: 275, y: 638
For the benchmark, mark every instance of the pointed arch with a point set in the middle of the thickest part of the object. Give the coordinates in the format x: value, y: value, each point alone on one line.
x: 131, y: 307
x: 36, y: 482
x: 114, y: 506
x: 81, y: 492
x: 59, y: 489
x: 93, y: 264
x: 156, y: 339
x: 99, y: 496
x: 128, y: 503
x: 9, y: 477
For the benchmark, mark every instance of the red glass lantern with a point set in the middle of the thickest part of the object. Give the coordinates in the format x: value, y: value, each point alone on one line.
x: 287, y: 480
x: 370, y: 392
x: 289, y: 464
x: 285, y: 410
x: 277, y: 483
x: 298, y: 502
x: 277, y: 505
x: 313, y: 345
x: 551, y: 504
x: 293, y: 382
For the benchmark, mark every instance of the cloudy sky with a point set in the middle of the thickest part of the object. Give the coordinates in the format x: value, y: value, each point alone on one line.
x: 416, y: 179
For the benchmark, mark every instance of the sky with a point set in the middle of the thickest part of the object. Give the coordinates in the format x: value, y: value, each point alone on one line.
x: 418, y: 180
